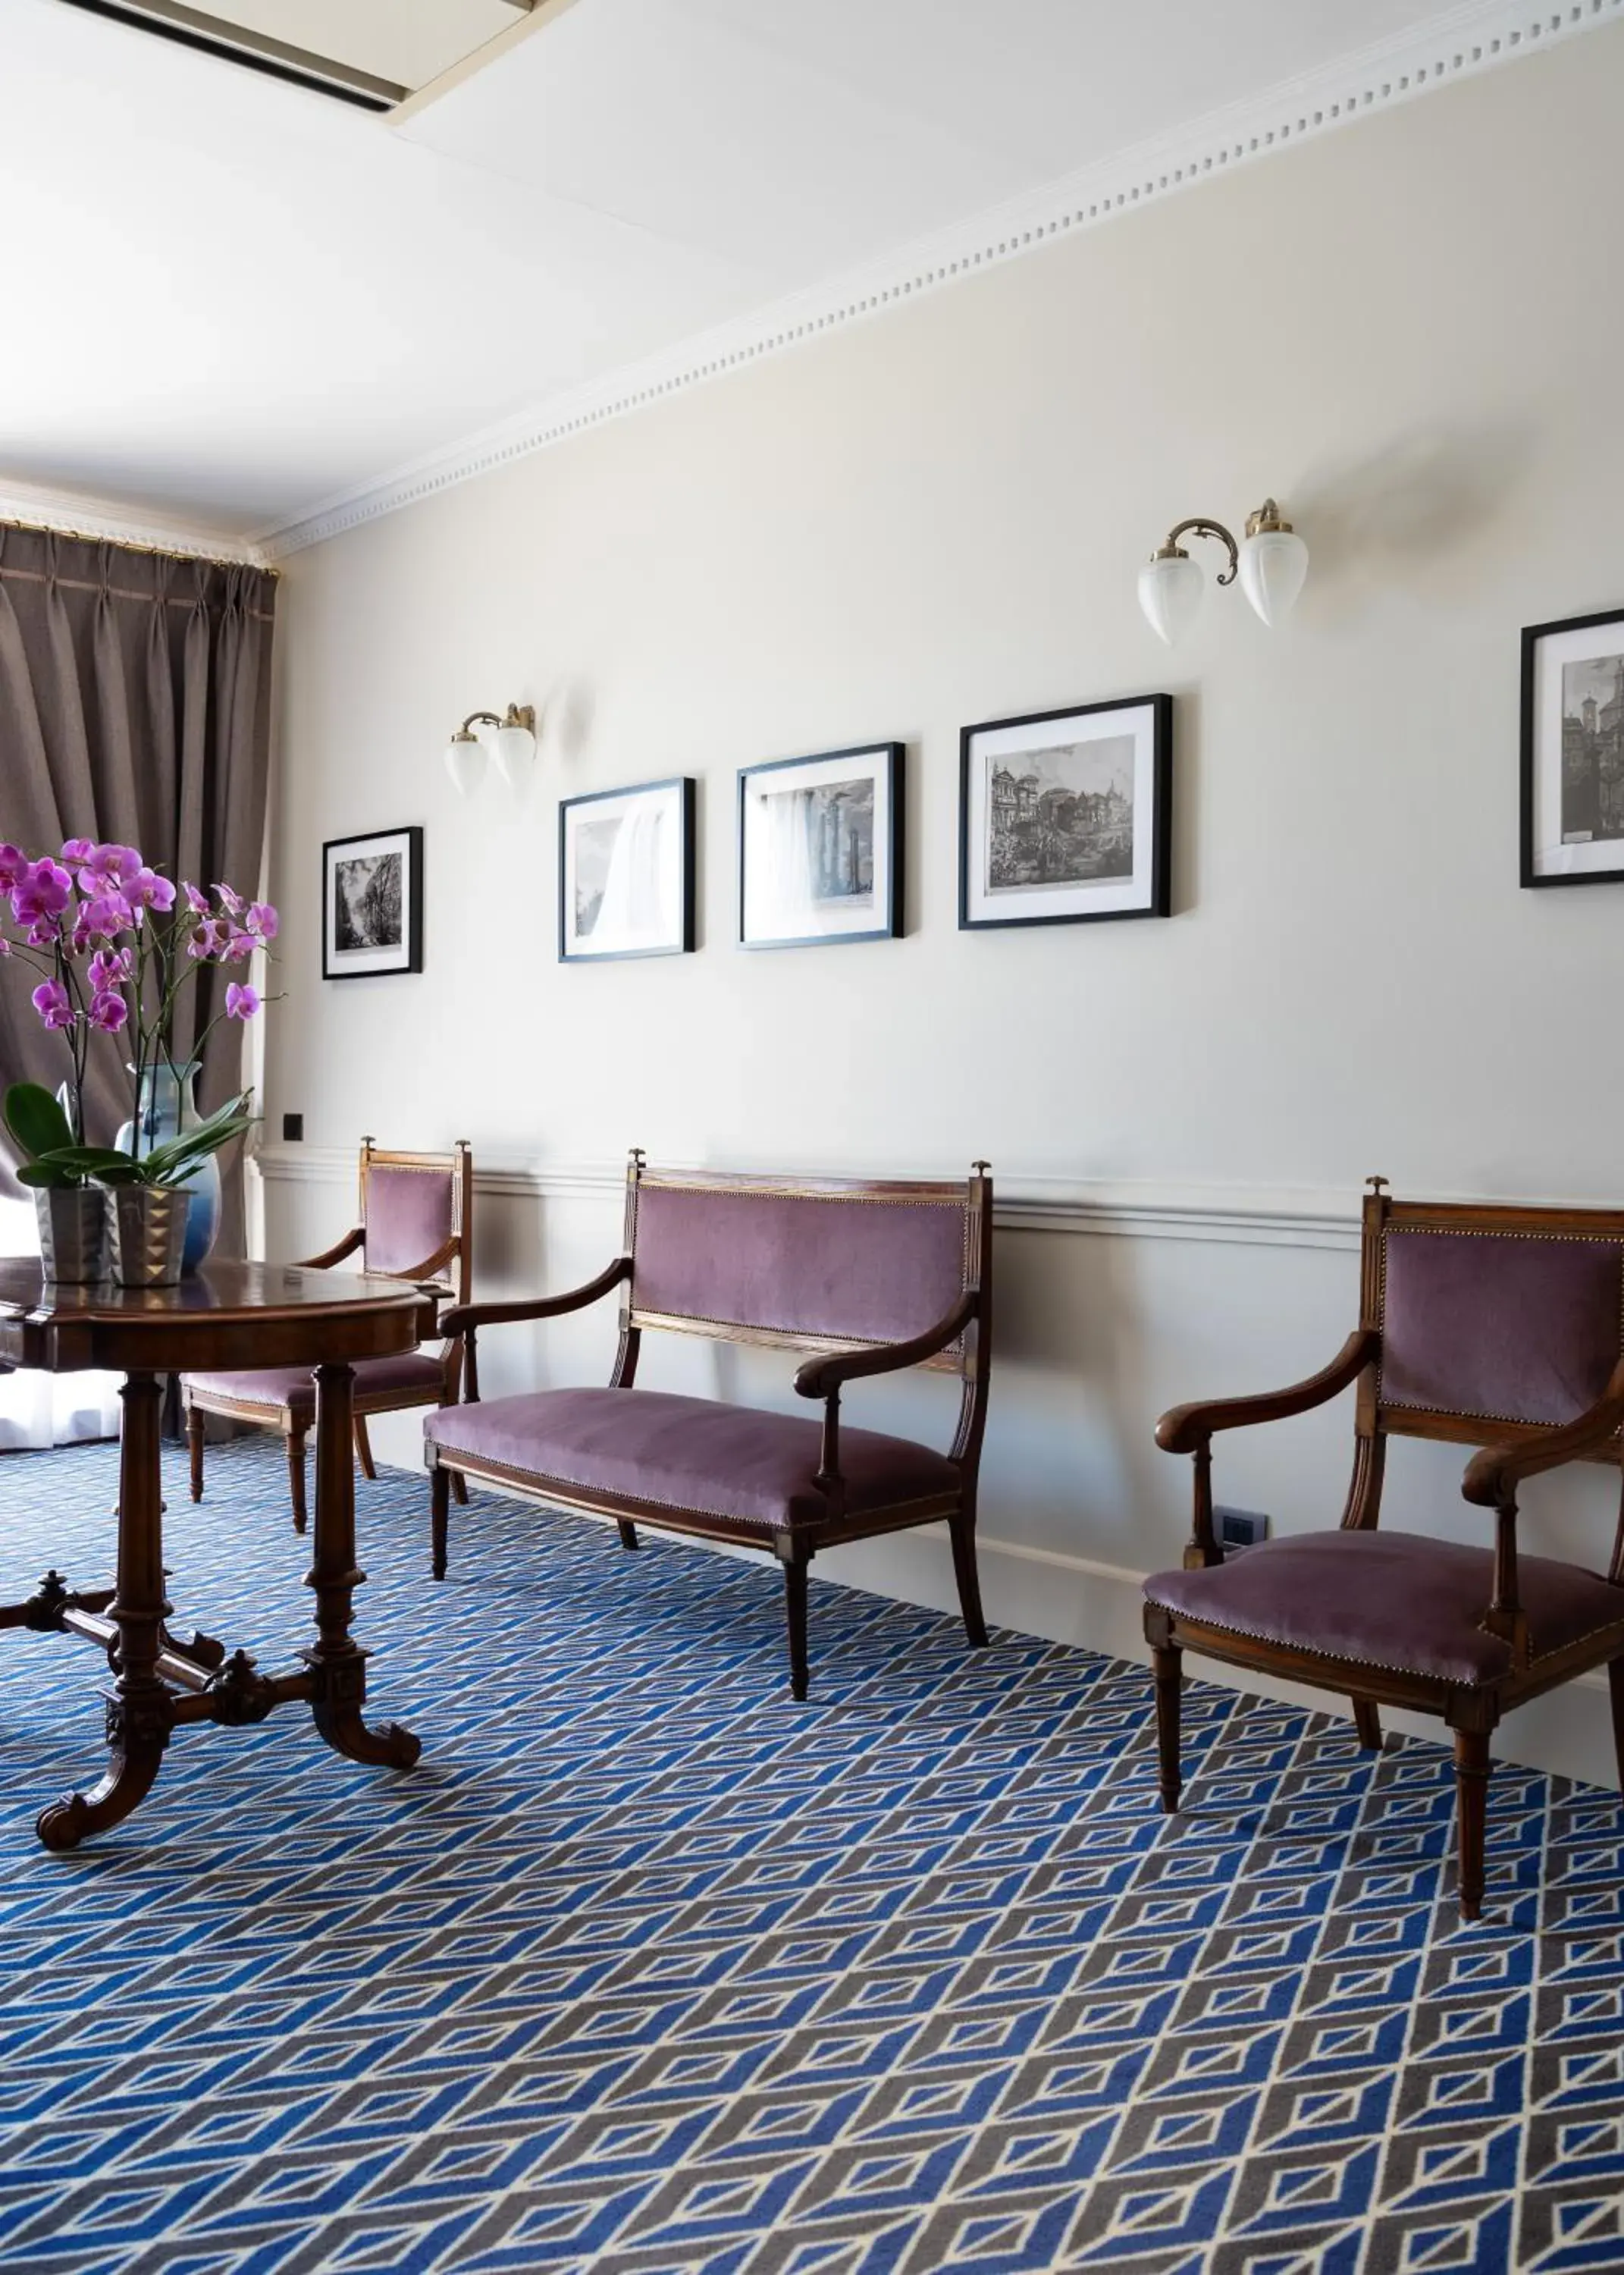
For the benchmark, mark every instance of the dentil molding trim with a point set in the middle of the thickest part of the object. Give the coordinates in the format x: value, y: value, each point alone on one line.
x: 91, y: 516
x: 1460, y: 43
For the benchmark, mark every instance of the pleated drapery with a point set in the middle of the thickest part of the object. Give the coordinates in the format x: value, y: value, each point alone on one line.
x: 134, y: 706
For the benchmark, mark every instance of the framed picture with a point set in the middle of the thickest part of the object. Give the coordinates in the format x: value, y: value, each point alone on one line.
x: 1573, y: 752
x: 372, y: 904
x: 625, y: 872
x: 1065, y: 817
x: 820, y: 847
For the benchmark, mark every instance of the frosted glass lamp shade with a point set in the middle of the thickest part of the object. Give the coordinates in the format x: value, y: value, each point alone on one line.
x: 1273, y: 563
x: 1170, y: 588
x: 464, y: 761
x: 515, y: 752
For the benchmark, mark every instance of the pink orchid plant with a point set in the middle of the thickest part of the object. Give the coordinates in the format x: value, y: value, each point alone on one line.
x: 113, y: 945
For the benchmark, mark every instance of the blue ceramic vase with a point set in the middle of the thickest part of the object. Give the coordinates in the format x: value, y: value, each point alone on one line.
x: 166, y: 1105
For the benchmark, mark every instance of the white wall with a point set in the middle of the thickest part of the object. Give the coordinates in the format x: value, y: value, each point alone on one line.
x: 1408, y: 333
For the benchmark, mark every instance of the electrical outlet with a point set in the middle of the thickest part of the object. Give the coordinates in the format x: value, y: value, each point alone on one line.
x: 1240, y: 1528
x: 292, y: 1129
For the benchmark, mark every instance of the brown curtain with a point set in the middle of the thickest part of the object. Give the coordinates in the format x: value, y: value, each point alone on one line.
x: 134, y: 706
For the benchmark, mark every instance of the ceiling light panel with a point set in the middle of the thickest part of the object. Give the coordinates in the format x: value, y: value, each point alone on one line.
x: 383, y: 49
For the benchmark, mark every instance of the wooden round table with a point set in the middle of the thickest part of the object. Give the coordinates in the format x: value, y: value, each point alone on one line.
x: 228, y: 1316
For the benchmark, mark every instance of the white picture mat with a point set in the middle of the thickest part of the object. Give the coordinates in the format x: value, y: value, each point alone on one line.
x: 1552, y: 857
x: 649, y: 849
x: 778, y: 904
x: 370, y: 959
x: 1102, y: 895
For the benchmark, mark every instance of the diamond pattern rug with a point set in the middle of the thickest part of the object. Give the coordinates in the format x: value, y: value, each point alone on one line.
x: 647, y: 1970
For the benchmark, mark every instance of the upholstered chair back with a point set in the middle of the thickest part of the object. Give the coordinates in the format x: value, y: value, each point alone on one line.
x: 1493, y: 1317
x: 779, y: 1262
x: 415, y: 1212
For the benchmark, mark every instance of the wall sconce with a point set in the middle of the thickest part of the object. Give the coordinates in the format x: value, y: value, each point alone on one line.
x: 514, y: 745
x: 1271, y: 565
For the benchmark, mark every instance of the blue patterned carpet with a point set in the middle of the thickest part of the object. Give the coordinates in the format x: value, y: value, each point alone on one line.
x: 647, y: 1968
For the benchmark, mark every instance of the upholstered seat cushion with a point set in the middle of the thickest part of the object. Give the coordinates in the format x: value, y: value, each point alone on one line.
x: 295, y: 1388
x: 693, y: 1456
x: 1396, y: 1601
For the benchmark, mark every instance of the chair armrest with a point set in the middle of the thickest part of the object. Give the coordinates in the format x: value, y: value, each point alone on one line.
x: 821, y: 1377
x: 464, y: 1318
x: 1185, y: 1429
x: 336, y: 1254
x: 1492, y: 1477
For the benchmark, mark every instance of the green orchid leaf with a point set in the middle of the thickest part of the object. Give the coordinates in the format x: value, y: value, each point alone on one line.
x: 44, y: 1176
x: 35, y: 1118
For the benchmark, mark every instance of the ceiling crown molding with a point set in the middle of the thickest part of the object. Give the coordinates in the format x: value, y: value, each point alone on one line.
x: 78, y: 515
x: 1460, y: 43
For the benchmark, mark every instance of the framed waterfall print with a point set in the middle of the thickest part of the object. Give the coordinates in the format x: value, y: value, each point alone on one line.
x: 372, y: 904
x: 820, y: 847
x: 1065, y: 816
x: 1573, y: 752
x: 625, y: 872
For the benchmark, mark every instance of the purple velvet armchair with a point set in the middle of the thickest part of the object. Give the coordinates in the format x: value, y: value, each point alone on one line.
x: 416, y: 1223
x: 1496, y: 1328
x: 865, y: 1278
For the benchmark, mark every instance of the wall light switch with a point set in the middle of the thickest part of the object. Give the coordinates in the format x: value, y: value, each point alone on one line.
x: 1240, y: 1528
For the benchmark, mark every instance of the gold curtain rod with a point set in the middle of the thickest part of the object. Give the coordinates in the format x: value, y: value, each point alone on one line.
x: 131, y: 545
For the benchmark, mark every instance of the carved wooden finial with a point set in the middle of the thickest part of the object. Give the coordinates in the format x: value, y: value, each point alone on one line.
x: 981, y: 1168
x: 1377, y: 1184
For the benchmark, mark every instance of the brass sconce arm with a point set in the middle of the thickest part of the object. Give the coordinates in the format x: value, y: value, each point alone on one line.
x: 1198, y: 525
x: 518, y: 715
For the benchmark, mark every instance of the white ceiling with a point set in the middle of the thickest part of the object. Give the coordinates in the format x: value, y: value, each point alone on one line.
x: 231, y: 300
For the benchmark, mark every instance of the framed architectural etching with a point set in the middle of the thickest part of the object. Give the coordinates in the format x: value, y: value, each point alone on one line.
x: 1573, y: 752
x: 1065, y: 816
x: 625, y: 872
x: 821, y: 849
x: 372, y: 904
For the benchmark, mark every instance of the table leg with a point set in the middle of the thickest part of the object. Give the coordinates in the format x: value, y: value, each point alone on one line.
x: 338, y: 1662
x: 138, y: 1711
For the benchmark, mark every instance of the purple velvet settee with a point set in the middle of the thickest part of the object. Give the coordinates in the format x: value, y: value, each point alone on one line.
x: 865, y: 1278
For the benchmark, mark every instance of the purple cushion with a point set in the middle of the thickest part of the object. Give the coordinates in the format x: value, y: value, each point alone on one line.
x: 295, y: 1386
x: 692, y: 1454
x: 857, y: 1271
x: 408, y: 1217
x: 1499, y: 1324
x: 1389, y: 1600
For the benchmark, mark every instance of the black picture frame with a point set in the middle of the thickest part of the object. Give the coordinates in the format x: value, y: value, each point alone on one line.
x: 338, y: 960
x: 1156, y: 899
x: 686, y: 787
x: 888, y: 763
x: 1542, y: 770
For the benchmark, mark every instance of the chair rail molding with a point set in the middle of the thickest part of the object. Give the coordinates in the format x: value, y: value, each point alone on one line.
x: 1256, y: 1215
x: 1461, y: 42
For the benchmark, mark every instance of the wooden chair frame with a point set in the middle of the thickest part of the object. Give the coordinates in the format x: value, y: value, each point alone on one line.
x: 959, y: 1343
x: 448, y: 1270
x: 1512, y: 1451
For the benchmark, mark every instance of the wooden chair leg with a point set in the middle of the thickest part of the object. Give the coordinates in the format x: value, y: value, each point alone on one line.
x: 795, y: 1561
x: 295, y: 1476
x: 440, y: 1516
x: 1169, y: 1685
x: 628, y: 1532
x: 194, y: 1441
x: 1367, y: 1722
x: 459, y: 1489
x: 1471, y: 1796
x: 962, y: 1528
x: 1615, y: 1684
x: 363, y: 1449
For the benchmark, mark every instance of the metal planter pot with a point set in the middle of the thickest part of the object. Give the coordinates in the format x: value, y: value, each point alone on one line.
x: 149, y: 1233
x: 73, y: 1234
